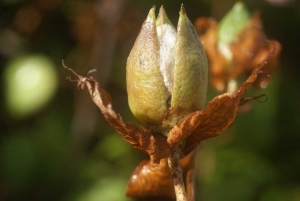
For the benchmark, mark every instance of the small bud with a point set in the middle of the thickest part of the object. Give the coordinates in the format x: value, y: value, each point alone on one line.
x: 230, y: 27
x: 166, y: 70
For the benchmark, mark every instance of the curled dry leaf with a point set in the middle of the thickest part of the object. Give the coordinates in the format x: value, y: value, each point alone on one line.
x: 251, y: 48
x: 159, y: 183
x: 248, y: 50
x: 153, y: 144
x: 145, y: 182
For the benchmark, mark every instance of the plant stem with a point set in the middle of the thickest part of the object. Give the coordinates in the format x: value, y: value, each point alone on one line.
x: 173, y: 162
x: 190, y: 176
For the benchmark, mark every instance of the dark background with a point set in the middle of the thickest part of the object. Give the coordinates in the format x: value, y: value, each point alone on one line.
x: 66, y: 151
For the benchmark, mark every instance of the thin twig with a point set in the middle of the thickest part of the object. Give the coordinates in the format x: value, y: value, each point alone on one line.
x: 173, y: 162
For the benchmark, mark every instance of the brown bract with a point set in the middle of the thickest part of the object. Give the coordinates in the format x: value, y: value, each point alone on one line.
x: 158, y: 183
x: 196, y: 127
x: 248, y: 50
x: 153, y: 144
x: 155, y: 183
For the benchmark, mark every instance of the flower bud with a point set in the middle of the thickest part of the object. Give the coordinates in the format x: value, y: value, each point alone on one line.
x: 230, y: 27
x: 166, y: 70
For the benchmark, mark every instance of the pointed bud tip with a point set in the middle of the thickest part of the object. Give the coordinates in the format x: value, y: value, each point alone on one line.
x: 162, y: 17
x: 239, y: 6
x: 182, y: 9
x: 162, y: 11
x: 151, y: 13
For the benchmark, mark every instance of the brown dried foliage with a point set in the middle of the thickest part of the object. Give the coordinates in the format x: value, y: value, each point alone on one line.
x: 153, y: 144
x: 145, y: 182
x: 159, y: 183
x: 249, y: 49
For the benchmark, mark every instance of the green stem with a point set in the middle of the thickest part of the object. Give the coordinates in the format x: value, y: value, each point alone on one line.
x: 173, y: 162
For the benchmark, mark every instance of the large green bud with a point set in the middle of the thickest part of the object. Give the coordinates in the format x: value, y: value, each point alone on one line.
x: 166, y: 70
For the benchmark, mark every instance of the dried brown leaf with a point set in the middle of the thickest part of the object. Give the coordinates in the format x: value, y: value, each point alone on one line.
x: 217, y: 117
x: 153, y: 144
x: 145, y: 182
x: 153, y: 183
x: 200, y: 125
x: 251, y: 47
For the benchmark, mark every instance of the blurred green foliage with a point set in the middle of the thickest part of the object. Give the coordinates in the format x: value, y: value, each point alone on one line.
x: 30, y: 82
x: 58, y: 153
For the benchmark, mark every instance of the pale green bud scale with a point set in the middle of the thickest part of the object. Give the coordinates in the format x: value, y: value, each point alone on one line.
x: 147, y: 93
x: 191, y: 68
